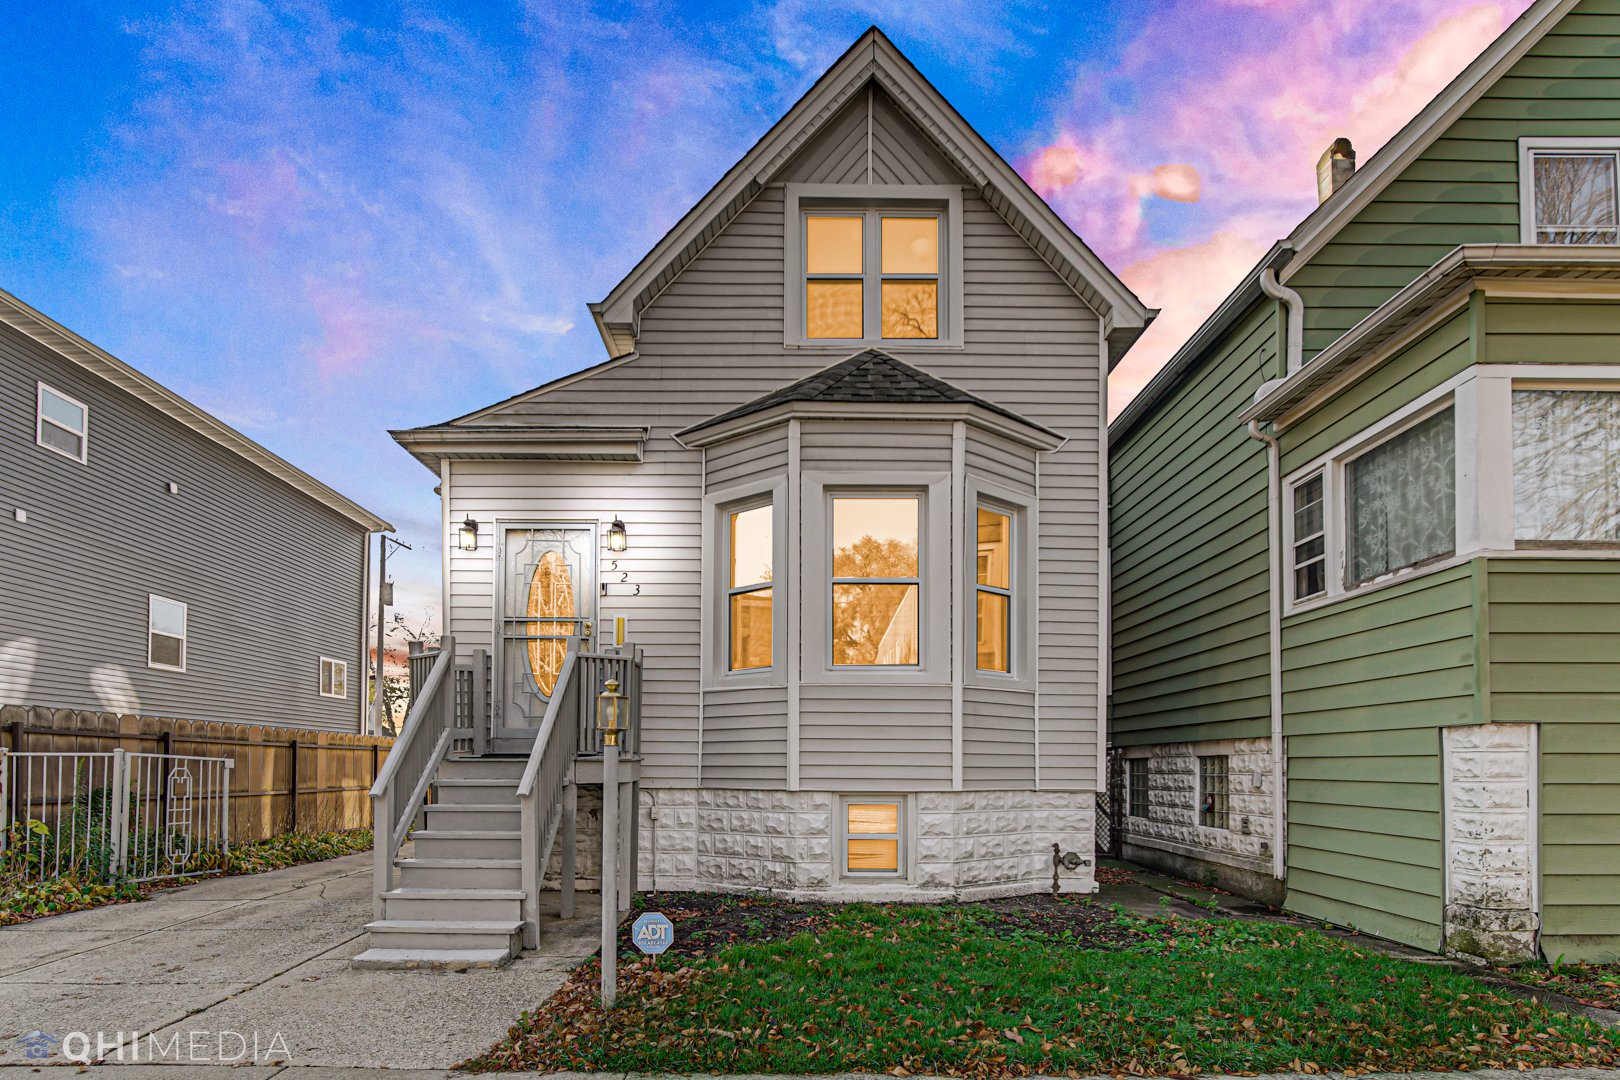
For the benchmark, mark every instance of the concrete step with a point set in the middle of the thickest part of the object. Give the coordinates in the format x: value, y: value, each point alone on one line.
x: 468, y: 844
x: 483, y: 768
x: 472, y: 816
x: 436, y: 959
x: 439, y: 873
x: 448, y: 935
x: 474, y: 792
x: 431, y: 904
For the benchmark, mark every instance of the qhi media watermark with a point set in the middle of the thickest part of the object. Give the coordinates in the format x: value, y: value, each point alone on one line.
x: 207, y: 1047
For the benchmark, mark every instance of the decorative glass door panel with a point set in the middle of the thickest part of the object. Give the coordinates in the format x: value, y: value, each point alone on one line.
x: 548, y: 597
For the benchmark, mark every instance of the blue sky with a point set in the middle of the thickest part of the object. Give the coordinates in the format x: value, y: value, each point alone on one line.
x: 320, y: 221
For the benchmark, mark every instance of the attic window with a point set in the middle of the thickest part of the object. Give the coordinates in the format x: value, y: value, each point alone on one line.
x: 872, y: 275
x: 1569, y: 191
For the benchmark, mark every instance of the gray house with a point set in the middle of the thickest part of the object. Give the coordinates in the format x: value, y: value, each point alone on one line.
x: 842, y: 476
x: 157, y: 562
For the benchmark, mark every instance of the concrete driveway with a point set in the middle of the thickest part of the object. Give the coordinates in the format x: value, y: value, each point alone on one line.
x: 222, y: 963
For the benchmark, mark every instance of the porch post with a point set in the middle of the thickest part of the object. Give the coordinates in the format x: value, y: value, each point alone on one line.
x: 610, y: 858
x: 570, y: 811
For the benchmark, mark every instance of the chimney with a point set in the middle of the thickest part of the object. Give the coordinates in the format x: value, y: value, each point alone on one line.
x: 1334, y: 168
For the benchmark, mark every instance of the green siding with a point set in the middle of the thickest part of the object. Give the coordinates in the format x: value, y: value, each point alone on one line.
x: 1367, y: 682
x: 1188, y: 532
x: 1464, y: 188
x: 1555, y: 660
x: 1551, y: 332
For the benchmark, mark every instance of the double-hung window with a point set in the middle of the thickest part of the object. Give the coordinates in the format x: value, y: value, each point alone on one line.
x: 872, y: 837
x: 748, y: 601
x: 871, y: 274
x: 994, y: 591
x: 875, y: 581
x: 166, y: 633
x: 1310, y: 539
x: 1568, y: 191
x: 62, y: 424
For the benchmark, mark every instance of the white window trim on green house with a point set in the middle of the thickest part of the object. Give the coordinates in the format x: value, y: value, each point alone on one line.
x: 1482, y: 397
x: 1561, y: 146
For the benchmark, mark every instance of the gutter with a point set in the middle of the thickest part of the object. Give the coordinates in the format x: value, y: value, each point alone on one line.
x: 1296, y: 316
x: 1279, y: 860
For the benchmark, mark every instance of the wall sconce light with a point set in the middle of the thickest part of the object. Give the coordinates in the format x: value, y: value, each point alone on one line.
x: 618, y: 538
x: 469, y: 534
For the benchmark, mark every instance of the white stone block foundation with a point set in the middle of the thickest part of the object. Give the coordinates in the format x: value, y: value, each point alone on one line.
x: 1490, y: 912
x: 965, y: 845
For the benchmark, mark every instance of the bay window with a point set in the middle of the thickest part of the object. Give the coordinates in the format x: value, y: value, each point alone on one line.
x: 875, y: 581
x: 994, y: 591
x: 748, y: 601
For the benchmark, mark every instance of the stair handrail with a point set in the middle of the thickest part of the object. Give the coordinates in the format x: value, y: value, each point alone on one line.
x: 540, y: 790
x: 427, y: 724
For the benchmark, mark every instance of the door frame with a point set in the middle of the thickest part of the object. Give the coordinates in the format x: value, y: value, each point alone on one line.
x: 586, y: 606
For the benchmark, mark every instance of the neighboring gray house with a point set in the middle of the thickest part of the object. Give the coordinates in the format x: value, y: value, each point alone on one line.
x: 852, y: 424
x: 158, y: 562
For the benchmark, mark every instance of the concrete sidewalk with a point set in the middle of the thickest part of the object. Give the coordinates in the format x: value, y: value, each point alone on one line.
x: 264, y: 956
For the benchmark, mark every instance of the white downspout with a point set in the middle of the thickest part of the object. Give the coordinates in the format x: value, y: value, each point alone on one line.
x: 1296, y: 316
x: 1279, y: 866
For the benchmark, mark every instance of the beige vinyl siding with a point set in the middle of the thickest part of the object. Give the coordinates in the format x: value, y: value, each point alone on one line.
x: 1189, y: 557
x: 851, y: 739
x: 1001, y: 461
x: 262, y: 567
x: 900, y: 154
x: 998, y: 739
x: 1366, y: 684
x: 661, y: 508
x: 875, y: 446
x: 747, y: 458
x: 745, y: 738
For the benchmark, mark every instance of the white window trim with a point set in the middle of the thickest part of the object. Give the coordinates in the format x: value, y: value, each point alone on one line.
x: 344, y: 664
x: 715, y: 616
x: 933, y: 492
x: 1528, y: 147
x: 40, y: 420
x: 1483, y: 398
x: 904, y: 821
x: 185, y: 638
x: 945, y: 199
x: 1020, y: 506
x: 1290, y: 505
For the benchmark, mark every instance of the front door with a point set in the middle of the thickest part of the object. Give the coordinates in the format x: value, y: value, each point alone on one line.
x: 548, y: 596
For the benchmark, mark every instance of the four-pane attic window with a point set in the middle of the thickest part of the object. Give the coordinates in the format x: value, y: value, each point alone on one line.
x: 871, y: 274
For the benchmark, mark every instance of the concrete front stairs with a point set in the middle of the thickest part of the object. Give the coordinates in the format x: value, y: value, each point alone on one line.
x: 458, y: 901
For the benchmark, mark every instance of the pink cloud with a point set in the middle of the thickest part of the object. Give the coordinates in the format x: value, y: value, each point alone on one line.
x: 262, y: 198
x: 353, y: 332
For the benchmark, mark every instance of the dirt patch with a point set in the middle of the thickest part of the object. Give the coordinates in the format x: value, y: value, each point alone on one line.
x: 707, y: 922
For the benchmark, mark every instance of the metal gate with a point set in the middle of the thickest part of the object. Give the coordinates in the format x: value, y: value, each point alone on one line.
x: 1111, y: 808
x: 112, y: 815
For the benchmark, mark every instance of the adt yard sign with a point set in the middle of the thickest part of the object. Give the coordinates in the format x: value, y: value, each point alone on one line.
x: 652, y: 933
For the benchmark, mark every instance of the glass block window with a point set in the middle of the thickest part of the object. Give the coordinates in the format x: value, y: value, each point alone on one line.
x: 1401, y: 500
x: 1566, y: 465
x: 1137, y: 778
x: 872, y: 836
x: 1214, y: 792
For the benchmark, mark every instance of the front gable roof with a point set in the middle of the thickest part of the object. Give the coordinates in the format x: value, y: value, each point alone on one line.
x: 874, y: 59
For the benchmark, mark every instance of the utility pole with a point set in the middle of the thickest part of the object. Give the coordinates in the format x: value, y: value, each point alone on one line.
x: 384, y: 598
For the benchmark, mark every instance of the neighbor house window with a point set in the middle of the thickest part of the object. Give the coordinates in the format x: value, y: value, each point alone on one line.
x: 872, y: 836
x: 334, y: 678
x: 1138, y: 780
x: 62, y: 424
x: 165, y: 634
x: 994, y: 587
x: 749, y: 588
x: 1310, y: 539
x: 1574, y: 198
x: 871, y: 274
x: 1214, y: 795
x: 1566, y: 465
x: 1401, y: 500
x: 875, y: 581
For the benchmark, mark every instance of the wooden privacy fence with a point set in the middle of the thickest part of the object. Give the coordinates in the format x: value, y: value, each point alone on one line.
x: 284, y: 779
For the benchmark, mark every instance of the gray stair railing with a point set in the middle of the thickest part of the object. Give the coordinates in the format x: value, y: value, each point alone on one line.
x: 623, y: 663
x: 540, y: 792
x: 402, y: 782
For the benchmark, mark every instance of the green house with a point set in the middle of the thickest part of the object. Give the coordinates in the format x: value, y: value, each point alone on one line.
x: 1369, y: 517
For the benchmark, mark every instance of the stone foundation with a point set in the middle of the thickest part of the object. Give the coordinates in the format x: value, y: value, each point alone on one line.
x: 1490, y: 914
x: 958, y: 845
x: 1170, y: 838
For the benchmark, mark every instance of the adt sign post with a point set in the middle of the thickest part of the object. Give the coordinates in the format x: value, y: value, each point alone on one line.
x: 653, y: 933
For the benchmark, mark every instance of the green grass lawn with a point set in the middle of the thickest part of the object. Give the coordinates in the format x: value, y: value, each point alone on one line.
x: 948, y: 990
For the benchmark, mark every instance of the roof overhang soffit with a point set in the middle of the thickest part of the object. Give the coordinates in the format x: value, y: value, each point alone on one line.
x: 873, y: 58
x: 452, y: 442
x: 1520, y: 270
x: 1025, y: 433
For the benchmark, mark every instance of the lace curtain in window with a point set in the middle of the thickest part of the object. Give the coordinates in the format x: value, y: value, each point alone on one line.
x: 1402, y: 500
x: 1566, y: 465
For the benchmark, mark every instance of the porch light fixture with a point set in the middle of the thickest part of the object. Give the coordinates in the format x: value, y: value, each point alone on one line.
x: 607, y: 713
x: 469, y: 534
x: 618, y: 538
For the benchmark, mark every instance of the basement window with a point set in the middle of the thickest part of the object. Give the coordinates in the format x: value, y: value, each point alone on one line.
x: 1138, y: 780
x: 1568, y: 191
x: 872, y: 837
x: 334, y: 678
x: 1214, y: 792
